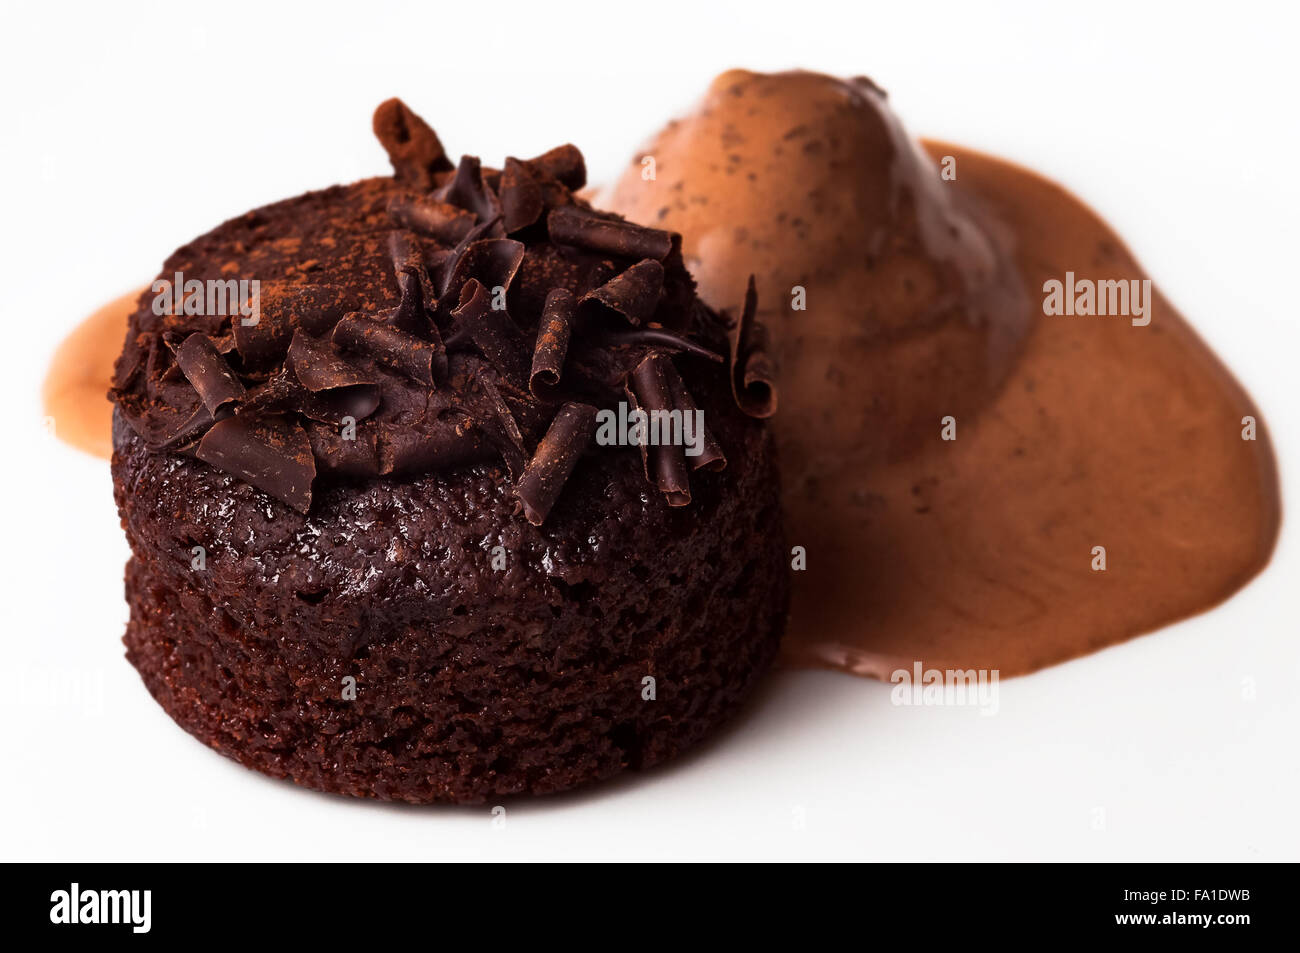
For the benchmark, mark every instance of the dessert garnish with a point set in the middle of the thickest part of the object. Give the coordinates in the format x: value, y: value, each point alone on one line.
x: 515, y: 312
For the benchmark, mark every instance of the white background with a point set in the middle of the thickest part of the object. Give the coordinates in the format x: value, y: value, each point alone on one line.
x: 127, y: 132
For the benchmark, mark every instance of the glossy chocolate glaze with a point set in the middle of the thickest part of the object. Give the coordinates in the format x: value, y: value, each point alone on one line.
x: 924, y: 301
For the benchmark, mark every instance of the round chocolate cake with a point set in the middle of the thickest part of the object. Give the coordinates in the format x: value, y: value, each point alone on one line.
x: 445, y: 486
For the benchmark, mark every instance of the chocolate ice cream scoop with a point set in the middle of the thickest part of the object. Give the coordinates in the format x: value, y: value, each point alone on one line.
x: 887, y: 302
x: 979, y: 478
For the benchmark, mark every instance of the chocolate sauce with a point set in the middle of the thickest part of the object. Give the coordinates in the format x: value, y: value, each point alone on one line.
x: 75, y: 392
x: 923, y: 320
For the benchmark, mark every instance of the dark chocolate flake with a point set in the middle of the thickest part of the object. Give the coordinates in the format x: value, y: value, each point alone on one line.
x: 502, y: 428
x: 563, y: 163
x: 492, y: 331
x: 438, y: 220
x: 319, y: 367
x: 170, y: 425
x: 521, y: 197
x: 710, y: 456
x: 552, y: 343
x: 412, y: 146
x: 666, y: 457
x: 752, y: 373
x: 557, y: 454
x: 634, y: 293
x: 584, y: 228
x: 205, y: 368
x: 467, y: 190
x: 388, y: 346
x: 273, y: 454
x: 282, y: 308
x: 405, y: 252
x: 493, y: 262
x: 412, y: 312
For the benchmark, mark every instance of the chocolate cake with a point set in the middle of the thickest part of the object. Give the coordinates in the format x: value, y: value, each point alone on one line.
x: 381, y: 542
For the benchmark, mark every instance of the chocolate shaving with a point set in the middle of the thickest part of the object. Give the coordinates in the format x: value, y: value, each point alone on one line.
x: 284, y: 393
x: 405, y: 252
x: 521, y: 197
x: 552, y: 343
x: 634, y: 293
x: 752, y: 374
x: 567, y: 437
x: 648, y: 387
x: 205, y: 368
x: 584, y: 228
x: 273, y: 454
x: 338, y: 379
x: 438, y: 220
x: 563, y: 163
x: 412, y: 313
x: 492, y: 331
x: 467, y: 190
x: 493, y: 262
x: 388, y: 346
x: 503, y: 429
x: 282, y: 308
x: 172, y: 423
x: 710, y: 456
x: 412, y: 146
x: 319, y: 367
x: 446, y: 442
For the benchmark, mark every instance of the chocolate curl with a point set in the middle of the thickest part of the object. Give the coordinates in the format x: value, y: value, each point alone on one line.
x: 564, y: 163
x: 404, y: 353
x: 633, y: 293
x: 413, y: 148
x: 444, y: 269
x: 552, y: 342
x: 752, y: 374
x: 467, y: 190
x: 281, y: 393
x: 583, y: 228
x: 711, y: 456
x: 319, y: 368
x: 492, y: 331
x: 648, y: 386
x: 412, y: 313
x: 272, y: 454
x: 504, y: 429
x: 205, y: 368
x: 521, y: 197
x: 567, y: 437
x: 284, y: 393
x: 438, y: 220
x: 282, y: 308
x: 405, y: 252
x: 175, y: 423
x: 492, y: 261
x: 446, y: 442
